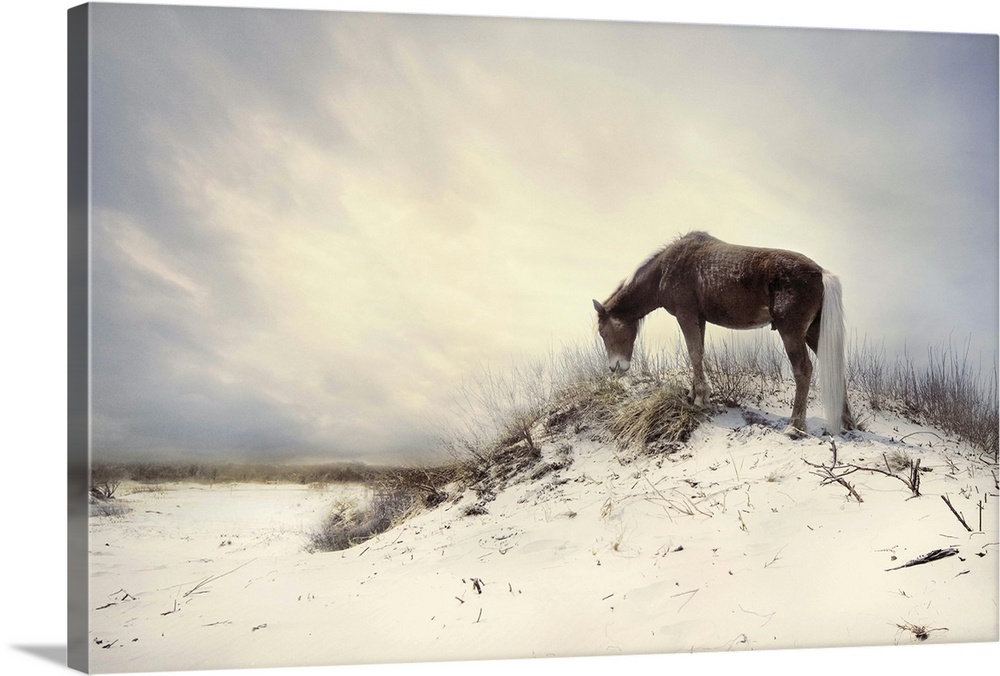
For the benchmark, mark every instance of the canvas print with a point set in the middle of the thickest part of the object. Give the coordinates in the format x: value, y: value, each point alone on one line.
x: 408, y: 338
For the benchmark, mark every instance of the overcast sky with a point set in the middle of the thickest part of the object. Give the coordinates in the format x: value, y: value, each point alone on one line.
x: 309, y: 227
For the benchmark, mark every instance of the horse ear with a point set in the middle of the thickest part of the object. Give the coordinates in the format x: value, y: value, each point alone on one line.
x: 601, y: 312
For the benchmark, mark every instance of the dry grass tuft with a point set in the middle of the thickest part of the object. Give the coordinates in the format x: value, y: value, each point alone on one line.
x: 660, y: 420
x: 898, y: 460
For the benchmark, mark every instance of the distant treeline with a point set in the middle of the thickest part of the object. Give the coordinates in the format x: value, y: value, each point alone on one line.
x: 353, y: 472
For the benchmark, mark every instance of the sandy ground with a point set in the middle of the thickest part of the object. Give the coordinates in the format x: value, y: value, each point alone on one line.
x: 733, y: 544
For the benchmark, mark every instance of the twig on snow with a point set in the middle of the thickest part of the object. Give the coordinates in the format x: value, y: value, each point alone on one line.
x: 828, y: 476
x: 953, y: 511
x: 213, y: 578
x: 768, y: 617
x: 776, y: 557
x: 692, y: 593
x: 921, y: 432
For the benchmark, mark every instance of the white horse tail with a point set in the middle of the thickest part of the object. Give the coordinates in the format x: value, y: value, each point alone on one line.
x: 831, y: 352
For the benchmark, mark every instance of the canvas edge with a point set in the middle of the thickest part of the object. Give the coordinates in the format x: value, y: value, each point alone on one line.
x: 78, y: 332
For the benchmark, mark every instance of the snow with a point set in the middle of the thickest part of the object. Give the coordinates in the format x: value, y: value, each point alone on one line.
x: 731, y: 544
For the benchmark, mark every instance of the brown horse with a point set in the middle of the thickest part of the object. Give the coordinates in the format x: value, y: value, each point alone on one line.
x: 700, y: 279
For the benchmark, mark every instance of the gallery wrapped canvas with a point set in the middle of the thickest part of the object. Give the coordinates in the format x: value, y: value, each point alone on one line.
x: 421, y: 338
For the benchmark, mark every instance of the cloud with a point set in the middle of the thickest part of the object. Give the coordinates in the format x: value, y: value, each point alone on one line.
x: 310, y: 227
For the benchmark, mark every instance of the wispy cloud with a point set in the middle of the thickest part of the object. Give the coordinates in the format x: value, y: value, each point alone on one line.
x: 310, y: 226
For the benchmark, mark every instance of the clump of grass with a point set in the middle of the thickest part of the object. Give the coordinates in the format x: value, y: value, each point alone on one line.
x: 659, y: 420
x: 477, y: 509
x: 778, y: 474
x: 586, y: 402
x: 507, y: 462
x: 898, y: 460
x: 351, y: 524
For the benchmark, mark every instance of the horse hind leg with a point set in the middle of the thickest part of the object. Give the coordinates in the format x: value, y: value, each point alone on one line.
x: 798, y: 355
x: 847, y: 420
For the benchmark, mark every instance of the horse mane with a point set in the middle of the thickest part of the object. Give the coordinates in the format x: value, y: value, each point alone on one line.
x: 647, y: 267
x: 694, y: 235
x: 610, y: 298
x: 643, y: 268
x: 651, y: 264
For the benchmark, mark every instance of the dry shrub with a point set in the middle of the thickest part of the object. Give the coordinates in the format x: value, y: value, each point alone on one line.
x: 494, y: 406
x: 107, y: 507
x: 946, y: 389
x: 731, y: 381
x: 351, y: 524
x: 104, y: 482
x: 949, y: 394
x: 744, y: 369
x: 868, y: 374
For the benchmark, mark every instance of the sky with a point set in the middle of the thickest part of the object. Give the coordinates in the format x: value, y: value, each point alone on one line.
x: 310, y: 228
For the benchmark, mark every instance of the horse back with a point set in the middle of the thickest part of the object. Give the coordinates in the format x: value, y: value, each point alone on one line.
x: 739, y: 286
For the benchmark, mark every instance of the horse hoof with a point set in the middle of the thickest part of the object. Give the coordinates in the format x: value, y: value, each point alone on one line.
x: 793, y: 432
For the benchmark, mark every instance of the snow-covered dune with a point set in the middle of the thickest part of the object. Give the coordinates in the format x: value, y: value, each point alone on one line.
x: 741, y: 540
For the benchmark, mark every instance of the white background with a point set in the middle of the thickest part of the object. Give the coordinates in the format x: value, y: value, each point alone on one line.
x: 33, y: 325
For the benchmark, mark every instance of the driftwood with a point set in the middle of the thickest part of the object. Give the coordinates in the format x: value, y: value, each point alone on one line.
x: 928, y: 557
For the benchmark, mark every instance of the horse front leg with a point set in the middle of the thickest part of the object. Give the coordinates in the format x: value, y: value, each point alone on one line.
x: 693, y: 329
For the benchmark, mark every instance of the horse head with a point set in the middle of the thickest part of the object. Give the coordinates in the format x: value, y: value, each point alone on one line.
x: 619, y: 338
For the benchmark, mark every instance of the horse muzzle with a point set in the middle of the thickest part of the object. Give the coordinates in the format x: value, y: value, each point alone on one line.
x: 618, y: 365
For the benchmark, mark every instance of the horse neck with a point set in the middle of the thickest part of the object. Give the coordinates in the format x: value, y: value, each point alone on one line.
x: 639, y: 296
